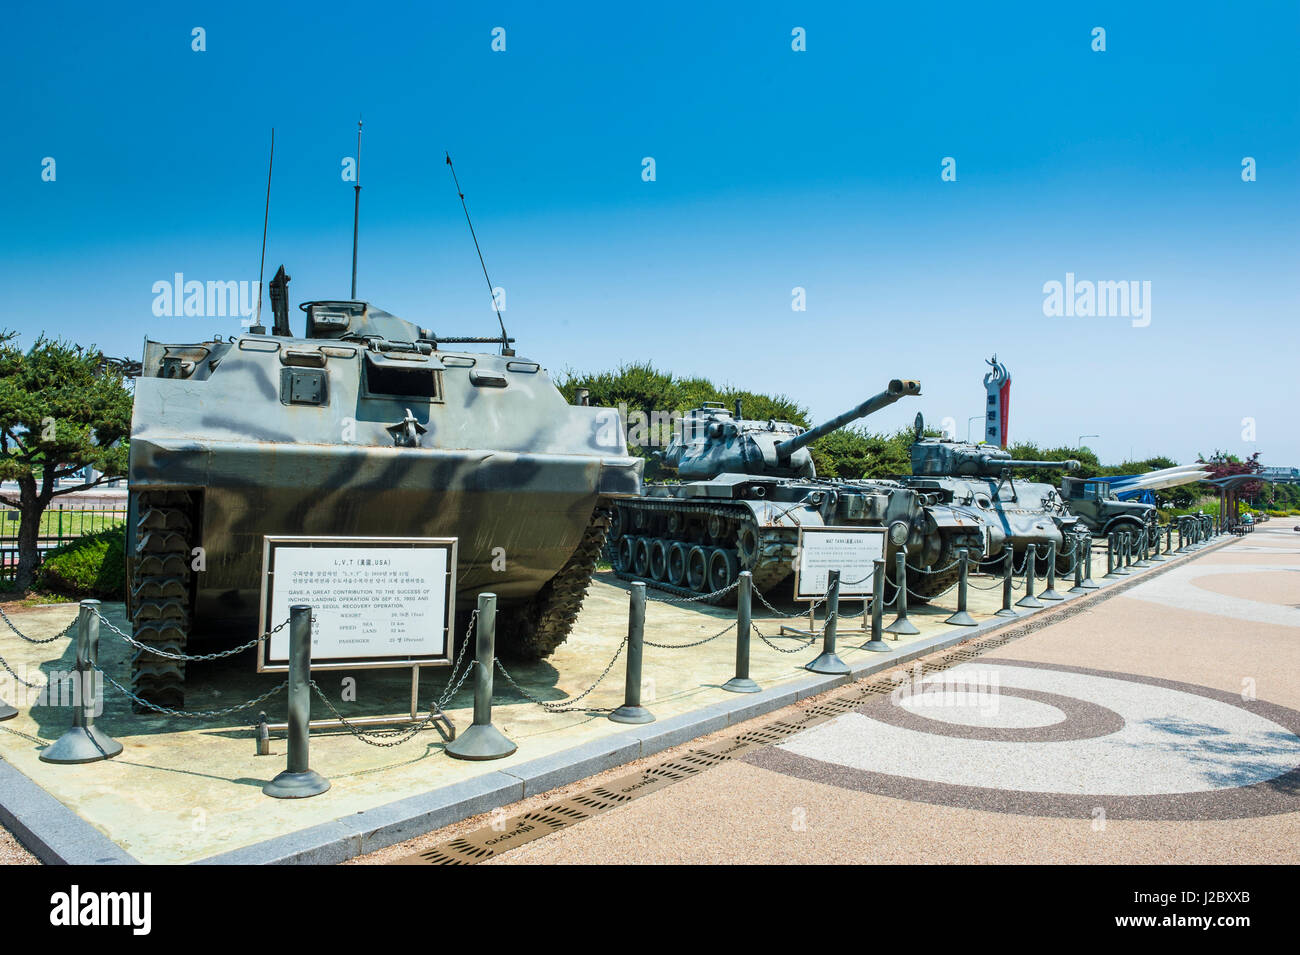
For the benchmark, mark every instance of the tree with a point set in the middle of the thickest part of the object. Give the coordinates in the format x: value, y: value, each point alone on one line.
x: 61, y: 408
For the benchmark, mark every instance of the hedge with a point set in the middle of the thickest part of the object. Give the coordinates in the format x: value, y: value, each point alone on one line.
x: 90, y: 566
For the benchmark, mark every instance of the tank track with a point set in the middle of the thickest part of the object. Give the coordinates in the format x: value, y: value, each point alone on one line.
x: 536, y: 630
x: 770, y: 566
x: 160, y: 595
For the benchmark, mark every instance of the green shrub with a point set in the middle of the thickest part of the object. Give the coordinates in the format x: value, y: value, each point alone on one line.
x: 90, y: 566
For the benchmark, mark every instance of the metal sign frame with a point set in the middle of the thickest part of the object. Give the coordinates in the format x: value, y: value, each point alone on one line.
x: 813, y: 599
x: 271, y: 543
x: 851, y: 594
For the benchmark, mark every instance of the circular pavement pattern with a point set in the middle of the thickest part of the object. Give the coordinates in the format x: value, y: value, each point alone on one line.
x: 1051, y: 740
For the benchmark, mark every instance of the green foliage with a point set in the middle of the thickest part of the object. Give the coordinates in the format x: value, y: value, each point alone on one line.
x: 59, y: 412
x: 90, y: 566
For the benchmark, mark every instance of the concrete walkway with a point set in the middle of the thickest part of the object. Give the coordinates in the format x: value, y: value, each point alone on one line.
x: 1161, y: 725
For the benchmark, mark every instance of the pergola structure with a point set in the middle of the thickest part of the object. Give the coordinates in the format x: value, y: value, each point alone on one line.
x: 1229, y: 488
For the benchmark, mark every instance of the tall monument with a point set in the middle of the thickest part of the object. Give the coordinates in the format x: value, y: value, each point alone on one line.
x: 998, y: 385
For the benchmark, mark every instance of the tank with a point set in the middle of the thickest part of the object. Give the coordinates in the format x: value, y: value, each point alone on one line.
x: 746, y: 487
x: 976, y: 479
x: 364, y: 425
x: 1097, y: 506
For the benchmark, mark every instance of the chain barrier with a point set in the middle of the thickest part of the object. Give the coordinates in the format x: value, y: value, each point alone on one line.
x: 394, y: 737
x: 31, y: 686
x: 196, y: 714
x: 941, y: 570
x: 796, y: 649
x: 198, y: 657
x: 781, y: 613
x: 454, y: 684
x: 567, y: 706
x: 697, y: 597
x: 697, y: 643
x: 58, y: 636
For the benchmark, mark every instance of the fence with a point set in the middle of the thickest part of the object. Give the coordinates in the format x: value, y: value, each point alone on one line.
x: 60, y: 524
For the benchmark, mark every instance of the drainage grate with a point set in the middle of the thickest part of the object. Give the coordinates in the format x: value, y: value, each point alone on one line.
x: 517, y: 830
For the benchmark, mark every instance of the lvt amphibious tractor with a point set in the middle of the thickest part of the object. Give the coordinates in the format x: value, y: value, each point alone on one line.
x: 745, y: 489
x: 365, y: 425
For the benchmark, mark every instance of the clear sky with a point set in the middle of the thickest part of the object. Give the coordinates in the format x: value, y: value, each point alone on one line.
x: 774, y: 169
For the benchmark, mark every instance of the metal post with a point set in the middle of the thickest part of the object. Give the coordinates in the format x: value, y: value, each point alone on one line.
x: 1050, y: 593
x: 1008, y: 572
x: 632, y: 711
x: 1125, y: 541
x: 877, y: 641
x: 1180, y: 534
x: 827, y: 661
x: 298, y: 779
x: 741, y: 683
x: 1078, y: 587
x: 482, y: 740
x: 1169, y: 539
x: 901, y: 627
x: 1088, y: 582
x: 1155, y: 550
x: 961, y: 618
x: 84, y: 742
x: 1142, y: 543
x: 1029, y: 600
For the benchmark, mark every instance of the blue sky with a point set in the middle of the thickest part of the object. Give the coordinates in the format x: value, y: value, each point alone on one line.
x: 774, y: 169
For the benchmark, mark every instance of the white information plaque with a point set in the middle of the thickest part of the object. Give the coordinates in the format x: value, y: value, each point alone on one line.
x: 376, y: 602
x: 850, y: 550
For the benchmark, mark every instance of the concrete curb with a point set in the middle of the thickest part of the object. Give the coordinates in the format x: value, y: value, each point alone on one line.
x: 55, y: 834
x: 50, y: 830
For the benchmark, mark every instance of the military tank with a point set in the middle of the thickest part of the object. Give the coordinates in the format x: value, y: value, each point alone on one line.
x: 744, y: 489
x: 976, y: 479
x: 364, y: 425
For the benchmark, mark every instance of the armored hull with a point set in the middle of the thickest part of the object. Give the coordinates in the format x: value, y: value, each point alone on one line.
x: 367, y: 426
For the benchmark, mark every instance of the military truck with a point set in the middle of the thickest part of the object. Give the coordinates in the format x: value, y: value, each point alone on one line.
x: 365, y: 424
x: 1098, y: 507
x: 745, y: 489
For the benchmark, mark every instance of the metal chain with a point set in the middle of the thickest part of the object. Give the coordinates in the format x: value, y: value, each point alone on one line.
x: 781, y: 613
x: 941, y: 570
x: 566, y: 706
x: 31, y: 686
x: 58, y: 636
x: 197, y: 714
x: 395, y: 737
x: 697, y: 643
x: 198, y: 657
x: 698, y: 597
x: 453, y: 684
x: 799, y: 649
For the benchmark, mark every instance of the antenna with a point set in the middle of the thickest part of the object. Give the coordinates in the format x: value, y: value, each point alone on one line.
x: 356, y: 212
x: 505, y: 339
x: 266, y: 216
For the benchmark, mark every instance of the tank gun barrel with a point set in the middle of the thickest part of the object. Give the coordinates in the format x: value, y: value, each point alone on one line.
x: 1069, y: 465
x: 898, y: 388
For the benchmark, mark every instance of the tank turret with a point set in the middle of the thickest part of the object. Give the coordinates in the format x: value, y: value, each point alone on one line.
x: 712, y: 441
x: 939, y: 457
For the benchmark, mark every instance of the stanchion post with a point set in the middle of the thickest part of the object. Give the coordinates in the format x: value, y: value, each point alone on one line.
x: 482, y: 740
x: 632, y: 711
x: 1125, y: 540
x: 827, y: 661
x: 1031, y: 558
x: 877, y: 642
x: 298, y: 780
x: 961, y: 618
x: 1078, y: 548
x: 84, y: 742
x: 1008, y: 575
x: 901, y: 627
x: 1050, y: 593
x: 1088, y: 582
x: 741, y: 683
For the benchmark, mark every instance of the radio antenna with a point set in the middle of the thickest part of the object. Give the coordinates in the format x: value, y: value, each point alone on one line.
x: 266, y: 217
x: 356, y: 211
x: 505, y: 339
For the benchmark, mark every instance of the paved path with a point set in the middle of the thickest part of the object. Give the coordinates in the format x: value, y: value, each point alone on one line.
x: 1159, y: 726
